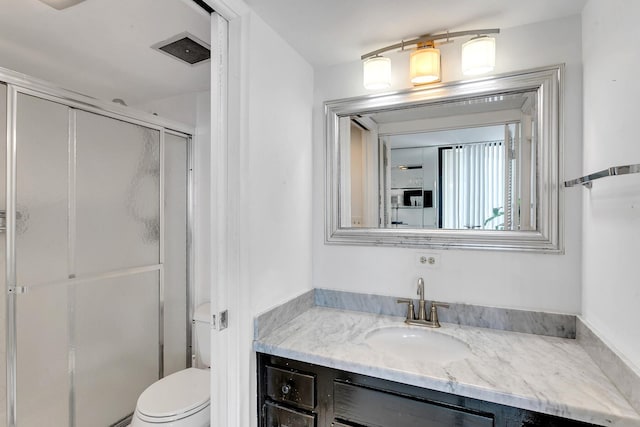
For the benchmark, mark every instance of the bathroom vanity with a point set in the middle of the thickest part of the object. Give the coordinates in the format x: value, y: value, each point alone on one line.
x: 294, y: 393
x: 332, y: 367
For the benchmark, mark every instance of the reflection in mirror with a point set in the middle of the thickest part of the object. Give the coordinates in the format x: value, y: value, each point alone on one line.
x: 473, y: 168
x: 472, y: 164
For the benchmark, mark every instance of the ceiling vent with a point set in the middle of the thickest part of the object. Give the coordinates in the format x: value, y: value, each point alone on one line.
x: 185, y: 47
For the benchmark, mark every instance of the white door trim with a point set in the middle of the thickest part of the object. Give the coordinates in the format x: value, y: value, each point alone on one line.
x: 225, y: 287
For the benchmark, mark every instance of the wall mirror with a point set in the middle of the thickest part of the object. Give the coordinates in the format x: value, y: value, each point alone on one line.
x: 472, y: 164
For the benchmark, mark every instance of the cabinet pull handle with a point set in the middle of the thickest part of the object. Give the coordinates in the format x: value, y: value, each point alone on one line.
x: 286, y: 389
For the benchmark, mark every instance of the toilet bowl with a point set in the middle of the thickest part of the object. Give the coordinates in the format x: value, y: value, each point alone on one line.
x: 181, y: 399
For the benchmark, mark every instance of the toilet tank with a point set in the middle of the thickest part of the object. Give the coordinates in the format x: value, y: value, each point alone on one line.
x: 202, y: 332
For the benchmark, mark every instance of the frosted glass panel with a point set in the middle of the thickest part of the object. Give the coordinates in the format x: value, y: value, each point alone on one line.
x: 41, y: 223
x: 117, y: 346
x: 41, y: 256
x: 118, y: 202
x: 175, y: 265
x: 43, y: 379
x: 3, y: 284
x: 87, y: 349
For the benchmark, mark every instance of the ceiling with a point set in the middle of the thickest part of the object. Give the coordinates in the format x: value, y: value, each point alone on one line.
x: 406, y: 136
x: 328, y: 32
x: 447, y: 137
x: 102, y: 48
x: 472, y: 105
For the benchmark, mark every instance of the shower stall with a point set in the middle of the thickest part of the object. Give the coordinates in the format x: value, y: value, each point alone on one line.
x: 95, y: 266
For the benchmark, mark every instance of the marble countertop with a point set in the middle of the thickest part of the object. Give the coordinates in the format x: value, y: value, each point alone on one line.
x: 534, y: 372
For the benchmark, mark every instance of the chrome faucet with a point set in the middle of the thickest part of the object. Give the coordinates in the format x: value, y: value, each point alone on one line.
x: 422, y: 320
x: 422, y: 312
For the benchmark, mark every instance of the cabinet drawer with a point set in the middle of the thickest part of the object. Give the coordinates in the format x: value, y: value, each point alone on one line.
x: 294, y: 388
x: 280, y: 416
x: 373, y: 408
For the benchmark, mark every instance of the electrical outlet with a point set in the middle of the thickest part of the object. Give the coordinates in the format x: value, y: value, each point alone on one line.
x: 431, y: 261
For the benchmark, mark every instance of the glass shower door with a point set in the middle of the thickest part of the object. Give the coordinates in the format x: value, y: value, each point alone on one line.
x: 101, y: 236
x: 176, y: 259
x: 117, y: 295
x: 41, y: 231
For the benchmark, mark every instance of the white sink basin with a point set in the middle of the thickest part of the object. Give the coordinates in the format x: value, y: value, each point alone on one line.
x: 419, y: 345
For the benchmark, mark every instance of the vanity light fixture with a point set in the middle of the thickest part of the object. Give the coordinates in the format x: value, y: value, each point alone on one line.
x: 61, y: 4
x: 478, y: 56
x: 424, y: 64
x: 377, y: 73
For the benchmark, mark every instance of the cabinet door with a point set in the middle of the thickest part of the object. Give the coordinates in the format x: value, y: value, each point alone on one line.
x: 281, y: 416
x: 291, y: 387
x: 373, y: 408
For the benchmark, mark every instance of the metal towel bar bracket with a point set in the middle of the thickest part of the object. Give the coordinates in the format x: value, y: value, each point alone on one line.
x: 615, y: 170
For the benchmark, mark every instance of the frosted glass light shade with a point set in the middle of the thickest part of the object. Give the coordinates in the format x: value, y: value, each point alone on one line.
x: 377, y: 73
x: 61, y: 4
x: 424, y: 66
x: 478, y: 56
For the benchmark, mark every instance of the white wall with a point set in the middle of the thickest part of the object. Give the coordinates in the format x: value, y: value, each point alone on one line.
x: 611, y: 224
x: 202, y: 199
x: 182, y: 108
x: 518, y: 280
x: 276, y: 170
x: 270, y: 180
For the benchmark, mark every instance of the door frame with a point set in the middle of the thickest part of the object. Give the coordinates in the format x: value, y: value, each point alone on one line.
x: 232, y: 359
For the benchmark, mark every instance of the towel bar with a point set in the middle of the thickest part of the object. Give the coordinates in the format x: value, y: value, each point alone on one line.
x: 615, y: 170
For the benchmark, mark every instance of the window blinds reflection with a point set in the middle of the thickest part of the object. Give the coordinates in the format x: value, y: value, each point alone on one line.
x: 473, y: 195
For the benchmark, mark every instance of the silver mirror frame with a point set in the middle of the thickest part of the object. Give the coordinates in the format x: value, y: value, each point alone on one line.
x: 548, y: 237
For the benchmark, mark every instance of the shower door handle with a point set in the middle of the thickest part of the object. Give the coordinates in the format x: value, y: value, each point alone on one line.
x: 3, y: 220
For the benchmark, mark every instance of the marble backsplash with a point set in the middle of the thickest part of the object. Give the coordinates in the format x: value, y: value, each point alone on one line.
x: 270, y: 320
x: 531, y: 322
x: 625, y: 378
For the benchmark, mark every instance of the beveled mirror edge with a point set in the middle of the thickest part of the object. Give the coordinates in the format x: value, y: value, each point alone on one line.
x: 549, y: 238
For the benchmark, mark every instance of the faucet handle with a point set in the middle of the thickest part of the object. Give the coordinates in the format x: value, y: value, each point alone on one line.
x: 434, y: 313
x: 411, y: 315
x: 439, y: 304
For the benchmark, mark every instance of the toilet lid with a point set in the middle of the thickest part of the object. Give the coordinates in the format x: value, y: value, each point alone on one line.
x: 175, y: 394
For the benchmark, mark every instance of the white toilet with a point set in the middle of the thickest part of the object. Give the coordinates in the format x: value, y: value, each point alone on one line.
x: 182, y: 398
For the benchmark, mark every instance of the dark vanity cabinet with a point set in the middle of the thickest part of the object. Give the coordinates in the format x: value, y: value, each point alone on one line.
x: 298, y: 394
x: 291, y: 397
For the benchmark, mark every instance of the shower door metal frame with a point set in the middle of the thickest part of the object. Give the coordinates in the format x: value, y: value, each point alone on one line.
x: 190, y: 244
x: 10, y: 262
x: 16, y: 84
